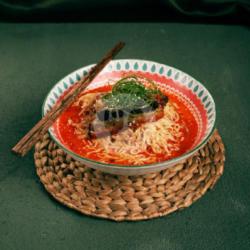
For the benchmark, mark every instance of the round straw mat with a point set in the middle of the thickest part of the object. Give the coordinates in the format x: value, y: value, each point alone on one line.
x: 119, y: 198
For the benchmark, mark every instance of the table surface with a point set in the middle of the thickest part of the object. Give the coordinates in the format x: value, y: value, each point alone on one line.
x: 33, y: 57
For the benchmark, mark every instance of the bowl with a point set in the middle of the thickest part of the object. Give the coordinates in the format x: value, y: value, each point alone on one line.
x: 196, y: 97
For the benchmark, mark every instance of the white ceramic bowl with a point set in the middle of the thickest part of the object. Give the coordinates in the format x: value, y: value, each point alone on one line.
x: 192, y: 92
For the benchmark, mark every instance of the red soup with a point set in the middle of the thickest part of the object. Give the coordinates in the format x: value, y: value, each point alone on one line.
x: 162, y: 138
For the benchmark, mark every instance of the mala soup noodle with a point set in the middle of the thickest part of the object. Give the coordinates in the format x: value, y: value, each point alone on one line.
x: 129, y: 123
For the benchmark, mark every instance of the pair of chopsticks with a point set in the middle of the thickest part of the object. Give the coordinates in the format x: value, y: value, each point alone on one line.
x: 36, y: 133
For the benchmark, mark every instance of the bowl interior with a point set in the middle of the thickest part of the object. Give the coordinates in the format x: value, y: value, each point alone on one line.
x: 191, y: 92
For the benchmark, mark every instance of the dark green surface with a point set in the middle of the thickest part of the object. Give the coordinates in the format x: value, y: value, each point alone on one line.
x: 35, y: 56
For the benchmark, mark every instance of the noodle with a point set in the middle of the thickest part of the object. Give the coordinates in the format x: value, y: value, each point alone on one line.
x: 151, y: 136
x: 142, y: 145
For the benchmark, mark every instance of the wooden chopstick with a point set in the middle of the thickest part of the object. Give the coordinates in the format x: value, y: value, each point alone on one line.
x: 27, y: 142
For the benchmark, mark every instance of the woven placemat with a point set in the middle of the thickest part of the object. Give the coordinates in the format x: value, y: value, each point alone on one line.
x: 118, y: 198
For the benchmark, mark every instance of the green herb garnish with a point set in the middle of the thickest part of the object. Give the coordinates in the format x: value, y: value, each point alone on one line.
x: 129, y: 93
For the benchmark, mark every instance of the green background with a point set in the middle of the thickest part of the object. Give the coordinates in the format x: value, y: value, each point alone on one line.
x: 236, y: 11
x: 33, y: 57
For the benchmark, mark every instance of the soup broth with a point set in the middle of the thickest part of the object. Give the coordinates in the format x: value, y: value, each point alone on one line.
x: 161, y: 135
